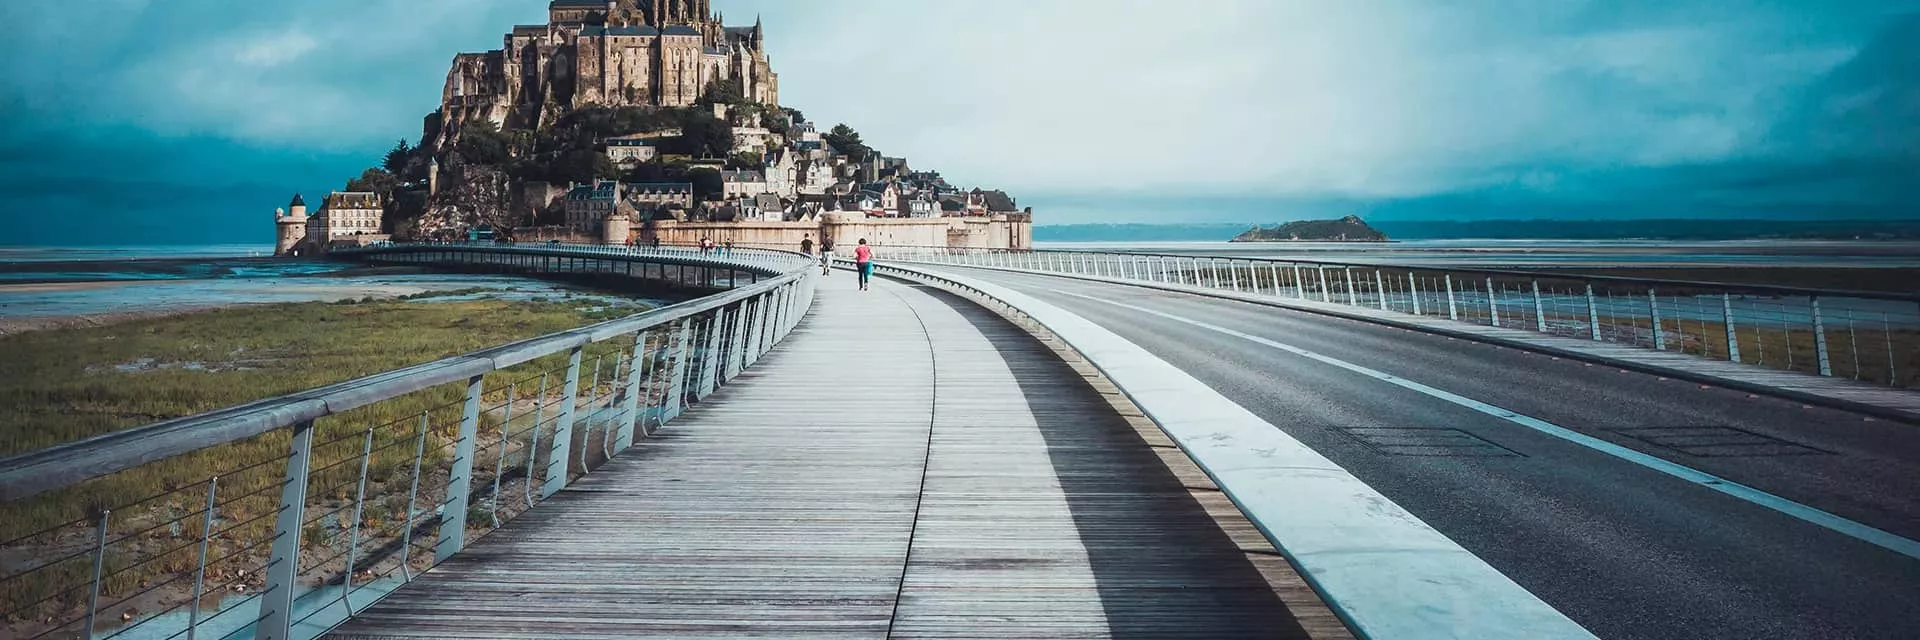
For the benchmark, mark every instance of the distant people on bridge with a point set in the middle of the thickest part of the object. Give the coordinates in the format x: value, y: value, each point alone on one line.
x: 863, y: 257
x: 806, y: 244
x: 729, y: 249
x: 706, y: 246
x: 656, y: 242
x: 826, y: 255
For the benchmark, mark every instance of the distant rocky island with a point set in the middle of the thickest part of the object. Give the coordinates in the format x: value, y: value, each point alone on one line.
x: 1348, y: 229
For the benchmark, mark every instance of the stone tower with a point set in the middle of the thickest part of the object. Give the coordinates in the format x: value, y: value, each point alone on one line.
x: 433, y: 178
x: 293, y: 227
x: 617, y: 228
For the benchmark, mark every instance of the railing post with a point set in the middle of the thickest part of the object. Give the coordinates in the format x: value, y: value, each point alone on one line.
x: 1726, y: 316
x: 563, y: 431
x: 730, y: 344
x: 775, y: 323
x: 1413, y: 290
x: 676, y: 389
x: 1326, y: 292
x: 1493, y: 303
x: 1539, y: 309
x: 1659, y: 326
x: 1593, y: 315
x: 1453, y: 303
x: 743, y: 328
x: 1233, y: 274
x: 1353, y: 297
x: 453, y: 515
x: 99, y: 569
x: 1273, y: 269
x: 710, y: 356
x: 1380, y: 288
x: 1299, y: 283
x: 1820, y: 339
x: 630, y: 408
x: 206, y: 540
x: 283, y: 569
x: 1213, y: 270
x: 749, y: 332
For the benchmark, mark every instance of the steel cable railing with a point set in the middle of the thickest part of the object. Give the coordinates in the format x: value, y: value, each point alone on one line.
x: 302, y: 510
x: 1865, y: 336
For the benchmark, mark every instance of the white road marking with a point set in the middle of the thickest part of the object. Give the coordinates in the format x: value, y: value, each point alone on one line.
x: 1850, y: 528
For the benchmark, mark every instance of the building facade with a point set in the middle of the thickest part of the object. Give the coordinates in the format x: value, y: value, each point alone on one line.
x: 589, y: 206
x: 631, y: 150
x: 742, y: 184
x: 662, y: 53
x: 345, y: 217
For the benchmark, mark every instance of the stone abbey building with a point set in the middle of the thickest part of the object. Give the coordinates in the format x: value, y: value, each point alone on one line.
x: 660, y: 53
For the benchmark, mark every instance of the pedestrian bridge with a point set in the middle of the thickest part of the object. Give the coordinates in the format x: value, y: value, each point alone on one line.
x: 940, y: 456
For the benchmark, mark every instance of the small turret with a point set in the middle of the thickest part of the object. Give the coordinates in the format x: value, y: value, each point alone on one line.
x: 291, y: 227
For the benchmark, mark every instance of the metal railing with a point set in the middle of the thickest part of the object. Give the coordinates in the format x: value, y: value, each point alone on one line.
x: 718, y: 268
x: 280, y: 518
x: 1866, y: 336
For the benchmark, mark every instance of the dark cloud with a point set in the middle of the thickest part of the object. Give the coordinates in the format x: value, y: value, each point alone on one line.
x: 138, y: 119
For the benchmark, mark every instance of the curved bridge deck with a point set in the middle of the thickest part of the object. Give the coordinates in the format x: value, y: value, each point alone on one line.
x: 906, y: 465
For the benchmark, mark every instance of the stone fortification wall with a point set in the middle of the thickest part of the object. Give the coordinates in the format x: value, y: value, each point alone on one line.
x: 846, y: 231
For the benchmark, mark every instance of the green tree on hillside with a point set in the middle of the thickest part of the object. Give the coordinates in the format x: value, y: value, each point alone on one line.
x: 375, y: 180
x: 727, y: 91
x: 483, y: 143
x: 705, y: 136
x: 707, y: 185
x: 583, y: 166
x: 652, y: 171
x: 848, y: 141
x: 397, y: 159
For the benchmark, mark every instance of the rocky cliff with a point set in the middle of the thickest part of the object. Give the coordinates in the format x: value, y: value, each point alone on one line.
x: 1348, y: 229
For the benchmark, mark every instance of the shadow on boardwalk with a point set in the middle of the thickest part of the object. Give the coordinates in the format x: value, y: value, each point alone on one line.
x: 1162, y: 566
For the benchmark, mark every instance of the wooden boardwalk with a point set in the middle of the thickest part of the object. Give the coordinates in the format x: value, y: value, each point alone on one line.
x: 905, y: 465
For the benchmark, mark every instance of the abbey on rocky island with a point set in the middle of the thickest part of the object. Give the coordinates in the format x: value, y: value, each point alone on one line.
x: 662, y: 53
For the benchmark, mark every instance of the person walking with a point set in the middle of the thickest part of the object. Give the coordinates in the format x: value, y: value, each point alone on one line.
x: 806, y: 244
x: 826, y: 255
x: 863, y: 257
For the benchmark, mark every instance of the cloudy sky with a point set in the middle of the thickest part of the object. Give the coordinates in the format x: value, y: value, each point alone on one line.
x: 188, y: 120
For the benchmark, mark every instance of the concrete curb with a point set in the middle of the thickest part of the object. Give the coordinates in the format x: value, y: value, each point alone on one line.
x: 1334, y: 528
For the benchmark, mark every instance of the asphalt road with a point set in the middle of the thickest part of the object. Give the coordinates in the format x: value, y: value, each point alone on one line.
x: 1625, y: 550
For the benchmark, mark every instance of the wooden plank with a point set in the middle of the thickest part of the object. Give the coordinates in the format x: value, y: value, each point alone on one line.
x: 905, y: 465
x: 1055, y: 517
x: 780, y: 507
